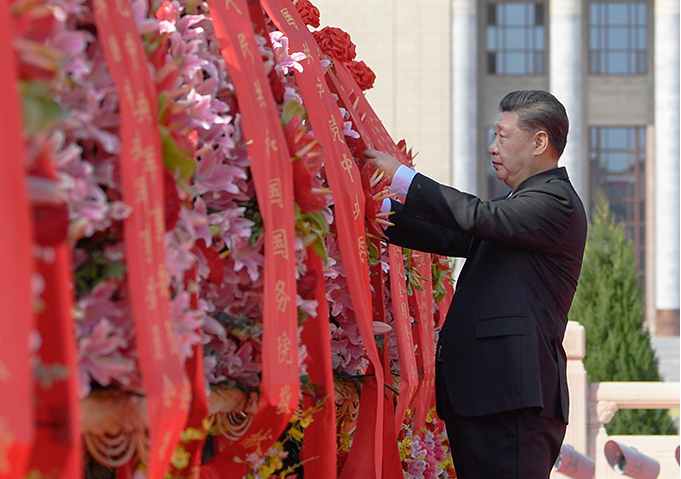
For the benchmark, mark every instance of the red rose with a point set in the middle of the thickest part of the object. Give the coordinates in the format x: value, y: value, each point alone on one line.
x: 335, y: 43
x: 309, y: 12
x: 216, y: 267
x: 363, y: 75
x: 50, y: 223
x: 306, y: 285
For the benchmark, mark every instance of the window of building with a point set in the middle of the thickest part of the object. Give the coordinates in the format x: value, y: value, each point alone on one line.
x: 618, y: 169
x: 515, y: 38
x: 617, y: 38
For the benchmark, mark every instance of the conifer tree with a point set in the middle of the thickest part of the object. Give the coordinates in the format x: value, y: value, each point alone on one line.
x: 609, y: 304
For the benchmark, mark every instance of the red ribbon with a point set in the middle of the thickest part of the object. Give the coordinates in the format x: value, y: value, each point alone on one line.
x: 58, y: 449
x: 422, y: 302
x: 198, y: 409
x: 409, y: 376
x: 319, y: 448
x: 344, y: 181
x: 273, y: 177
x: 363, y: 114
x: 443, y: 304
x: 392, y: 466
x: 167, y: 389
x: 359, y: 458
x: 16, y: 263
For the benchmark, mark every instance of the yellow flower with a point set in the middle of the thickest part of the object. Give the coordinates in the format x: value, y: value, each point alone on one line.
x: 180, y: 458
x: 344, y: 441
x: 404, y: 446
x: 296, y: 434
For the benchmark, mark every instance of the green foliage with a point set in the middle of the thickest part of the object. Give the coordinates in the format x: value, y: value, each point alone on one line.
x: 609, y: 304
x: 176, y: 158
x: 39, y: 109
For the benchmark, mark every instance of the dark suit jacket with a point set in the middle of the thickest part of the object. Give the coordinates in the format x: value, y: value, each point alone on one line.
x: 501, y: 344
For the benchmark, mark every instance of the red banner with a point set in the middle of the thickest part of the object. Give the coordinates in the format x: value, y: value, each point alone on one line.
x: 392, y: 466
x: 346, y: 187
x: 409, y: 376
x: 422, y: 302
x: 16, y: 307
x: 362, y: 112
x: 319, y: 448
x: 273, y: 177
x: 198, y: 410
x: 359, y: 459
x: 443, y: 304
x: 57, y: 450
x: 167, y: 389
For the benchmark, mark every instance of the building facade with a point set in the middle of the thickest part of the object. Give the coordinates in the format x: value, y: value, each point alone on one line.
x: 442, y: 68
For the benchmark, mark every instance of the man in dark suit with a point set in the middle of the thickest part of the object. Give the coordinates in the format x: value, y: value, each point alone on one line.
x: 501, y: 383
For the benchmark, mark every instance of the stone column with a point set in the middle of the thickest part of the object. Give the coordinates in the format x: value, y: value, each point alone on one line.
x: 567, y: 84
x: 667, y: 166
x: 464, y: 96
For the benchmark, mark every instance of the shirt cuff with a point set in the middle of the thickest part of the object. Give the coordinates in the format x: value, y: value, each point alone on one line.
x: 386, y: 206
x: 402, y: 181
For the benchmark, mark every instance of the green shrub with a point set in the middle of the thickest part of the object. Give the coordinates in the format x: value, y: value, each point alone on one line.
x: 609, y: 304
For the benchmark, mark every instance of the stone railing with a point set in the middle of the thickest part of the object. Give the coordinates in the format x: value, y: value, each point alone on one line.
x: 592, y: 405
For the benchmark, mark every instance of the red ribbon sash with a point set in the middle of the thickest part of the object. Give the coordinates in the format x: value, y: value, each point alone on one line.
x: 362, y: 112
x: 346, y: 188
x: 198, y: 409
x: 319, y: 449
x: 443, y: 304
x: 273, y: 177
x: 167, y: 389
x: 422, y: 302
x: 16, y: 307
x: 423, y: 299
x: 57, y: 450
x: 392, y: 466
x: 409, y: 376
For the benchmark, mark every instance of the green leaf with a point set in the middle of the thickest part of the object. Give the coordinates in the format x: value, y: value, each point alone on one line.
x: 320, y: 249
x: 291, y: 110
x: 174, y: 158
x: 39, y: 110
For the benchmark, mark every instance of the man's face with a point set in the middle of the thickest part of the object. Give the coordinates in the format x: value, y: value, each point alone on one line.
x: 512, y: 151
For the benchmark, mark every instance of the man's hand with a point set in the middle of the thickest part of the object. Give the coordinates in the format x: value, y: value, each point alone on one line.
x: 382, y: 161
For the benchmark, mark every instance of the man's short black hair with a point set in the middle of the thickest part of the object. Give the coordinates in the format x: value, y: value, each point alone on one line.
x: 539, y: 110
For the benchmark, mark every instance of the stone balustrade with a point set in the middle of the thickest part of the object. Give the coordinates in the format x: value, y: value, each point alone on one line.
x: 592, y: 405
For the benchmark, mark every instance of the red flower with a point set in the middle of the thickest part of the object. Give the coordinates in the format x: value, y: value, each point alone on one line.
x: 306, y: 285
x: 307, y: 155
x: 167, y: 12
x: 51, y: 223
x: 335, y: 43
x: 215, y: 263
x: 363, y: 75
x: 309, y: 12
x: 373, y: 197
x: 408, y: 153
x: 32, y: 29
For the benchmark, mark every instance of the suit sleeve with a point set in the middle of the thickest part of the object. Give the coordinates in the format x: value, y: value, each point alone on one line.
x: 536, y: 218
x: 420, y: 235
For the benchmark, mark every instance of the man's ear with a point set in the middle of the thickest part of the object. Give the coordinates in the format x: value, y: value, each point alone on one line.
x: 541, y: 142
